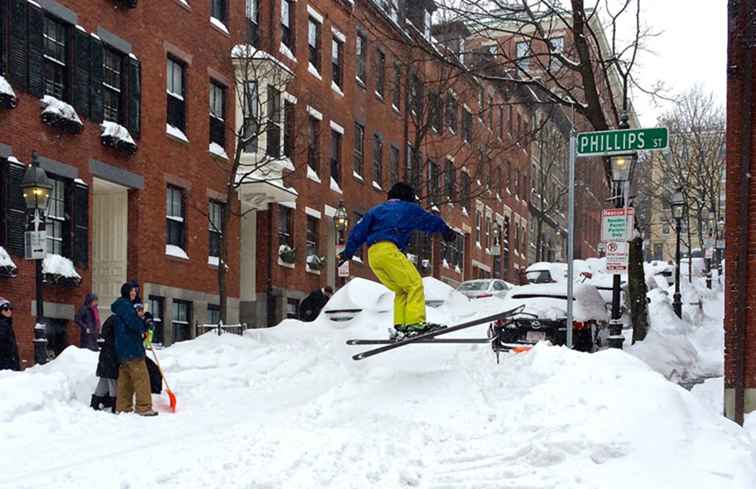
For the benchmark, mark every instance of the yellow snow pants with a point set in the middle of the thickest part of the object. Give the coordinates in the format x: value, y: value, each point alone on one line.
x: 396, y: 272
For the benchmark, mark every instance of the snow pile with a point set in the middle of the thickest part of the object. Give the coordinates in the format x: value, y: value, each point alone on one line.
x: 7, y: 95
x: 117, y: 136
x: 287, y: 407
x: 60, y: 114
x: 442, y: 294
x: 58, y: 267
x: 7, y: 267
x: 549, y: 301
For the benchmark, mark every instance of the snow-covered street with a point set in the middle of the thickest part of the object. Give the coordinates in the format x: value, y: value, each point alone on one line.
x: 287, y: 408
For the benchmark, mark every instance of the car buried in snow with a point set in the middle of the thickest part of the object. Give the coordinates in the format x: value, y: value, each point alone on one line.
x: 544, y: 317
x: 483, y: 288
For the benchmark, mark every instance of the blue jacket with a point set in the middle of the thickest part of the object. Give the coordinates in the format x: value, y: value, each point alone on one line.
x: 129, y: 331
x: 393, y: 220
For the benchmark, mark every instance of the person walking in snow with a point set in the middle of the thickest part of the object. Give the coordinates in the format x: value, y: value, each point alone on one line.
x: 9, y: 359
x: 88, y: 321
x: 387, y: 228
x: 133, y: 379
x: 104, y: 395
x: 314, y: 303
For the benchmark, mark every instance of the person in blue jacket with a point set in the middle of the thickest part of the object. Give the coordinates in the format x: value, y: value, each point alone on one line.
x: 387, y: 228
x: 133, y: 378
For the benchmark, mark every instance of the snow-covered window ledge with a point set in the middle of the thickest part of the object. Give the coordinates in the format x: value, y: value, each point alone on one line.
x: 7, y: 267
x: 176, y: 133
x: 337, y: 89
x: 59, y: 270
x: 311, y: 270
x: 116, y: 136
x: 216, y: 149
x: 219, y: 26
x: 313, y: 175
x: 7, y: 95
x: 284, y: 264
x: 60, y: 115
x: 176, y: 252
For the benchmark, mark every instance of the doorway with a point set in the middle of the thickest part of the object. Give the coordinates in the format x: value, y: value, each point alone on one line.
x: 109, y: 242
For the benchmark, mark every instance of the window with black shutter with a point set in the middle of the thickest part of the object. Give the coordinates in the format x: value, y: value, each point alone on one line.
x: 451, y: 113
x: 287, y: 24
x: 378, y: 159
x: 467, y: 126
x: 450, y: 182
x: 380, y: 72
x: 253, y: 18
x: 57, y: 218
x: 81, y: 224
x: 273, y: 129
x: 313, y: 42
x: 359, y: 148
x: 112, y: 85
x: 361, y: 54
x: 215, y: 222
x: 217, y: 114
x: 13, y: 207
x: 175, y: 94
x: 434, y: 182
x: 313, y: 144
x: 285, y: 226
x: 289, y: 134
x: 312, y: 239
x: 336, y: 156
x: 55, y: 58
x: 218, y: 10
x: 393, y: 165
x: 337, y: 62
x: 82, y: 73
x: 176, y: 228
x: 396, y: 96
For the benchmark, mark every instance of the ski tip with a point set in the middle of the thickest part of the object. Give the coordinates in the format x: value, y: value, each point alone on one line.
x: 359, y: 356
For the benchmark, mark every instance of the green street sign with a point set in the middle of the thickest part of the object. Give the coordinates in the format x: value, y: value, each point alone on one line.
x: 606, y: 143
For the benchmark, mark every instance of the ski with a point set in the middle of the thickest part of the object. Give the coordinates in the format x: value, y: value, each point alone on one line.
x: 432, y: 334
x: 432, y: 340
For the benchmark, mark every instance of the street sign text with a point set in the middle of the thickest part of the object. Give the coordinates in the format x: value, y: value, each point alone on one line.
x: 605, y: 143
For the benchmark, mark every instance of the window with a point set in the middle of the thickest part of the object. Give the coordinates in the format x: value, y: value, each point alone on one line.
x: 250, y: 111
x: 478, y: 219
x: 215, y: 224
x: 434, y: 182
x: 252, y: 12
x: 361, y: 53
x: 465, y: 197
x: 450, y: 177
x: 213, y: 314
x: 175, y: 89
x: 285, y: 226
x: 665, y: 228
x: 380, y: 72
x: 490, y: 113
x: 415, y: 95
x: 451, y: 113
x: 557, y: 47
x: 337, y: 62
x: 397, y: 91
x: 273, y: 127
x: 336, y: 156
x: 55, y: 59
x: 427, y: 23
x: 453, y: 251
x: 218, y: 10
x: 112, y: 67
x: 312, y: 244
x: 501, y: 122
x: 56, y: 221
x: 359, y: 148
x: 287, y: 24
x: 155, y: 307
x: 313, y: 42
x: 360, y: 253
x: 393, y: 165
x: 313, y: 144
x: 467, y: 126
x: 181, y: 320
x: 292, y: 308
x: 523, y: 55
x: 174, y: 202
x: 436, y: 111
x: 217, y: 114
x: 378, y: 159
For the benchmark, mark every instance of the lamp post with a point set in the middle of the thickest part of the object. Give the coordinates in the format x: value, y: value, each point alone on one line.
x: 720, y: 247
x: 710, y: 244
x: 620, y: 165
x: 678, y: 210
x: 340, y: 226
x: 36, y: 189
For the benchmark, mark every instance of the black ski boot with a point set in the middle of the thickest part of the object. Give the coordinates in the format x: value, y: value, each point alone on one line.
x: 97, y: 402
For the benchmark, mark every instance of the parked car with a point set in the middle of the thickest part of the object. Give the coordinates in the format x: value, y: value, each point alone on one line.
x: 548, y: 272
x: 544, y: 316
x: 481, y: 288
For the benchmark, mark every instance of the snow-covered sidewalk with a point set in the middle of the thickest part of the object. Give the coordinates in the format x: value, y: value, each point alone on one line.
x: 287, y: 408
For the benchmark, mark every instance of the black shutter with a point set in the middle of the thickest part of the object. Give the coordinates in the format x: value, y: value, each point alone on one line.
x: 17, y: 46
x: 36, y: 48
x: 95, y: 85
x: 135, y: 94
x: 80, y: 224
x: 16, y: 210
x: 81, y: 76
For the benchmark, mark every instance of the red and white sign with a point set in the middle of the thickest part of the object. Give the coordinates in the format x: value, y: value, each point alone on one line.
x: 616, y: 256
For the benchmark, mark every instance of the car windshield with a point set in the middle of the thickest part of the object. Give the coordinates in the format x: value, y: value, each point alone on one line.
x: 539, y: 277
x: 479, y: 285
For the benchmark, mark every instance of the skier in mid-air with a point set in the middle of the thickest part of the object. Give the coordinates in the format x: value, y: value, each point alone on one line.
x: 387, y: 228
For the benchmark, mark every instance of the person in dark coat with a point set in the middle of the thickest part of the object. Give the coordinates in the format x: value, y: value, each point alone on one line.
x: 313, y: 303
x: 88, y: 321
x: 107, y: 369
x: 9, y: 359
x: 133, y: 378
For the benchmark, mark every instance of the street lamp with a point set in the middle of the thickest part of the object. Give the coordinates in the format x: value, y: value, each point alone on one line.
x: 36, y: 188
x: 720, y: 246
x: 709, y: 244
x: 620, y: 165
x: 340, y: 225
x: 678, y: 210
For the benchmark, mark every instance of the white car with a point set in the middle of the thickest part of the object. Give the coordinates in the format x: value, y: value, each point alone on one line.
x: 487, y: 287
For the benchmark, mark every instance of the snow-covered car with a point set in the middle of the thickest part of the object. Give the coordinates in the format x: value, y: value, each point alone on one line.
x: 544, y: 316
x: 482, y: 288
x: 548, y: 272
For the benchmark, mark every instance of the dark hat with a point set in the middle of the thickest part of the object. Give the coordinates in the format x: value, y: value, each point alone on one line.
x: 126, y: 288
x: 328, y: 289
x: 402, y: 191
x: 5, y: 304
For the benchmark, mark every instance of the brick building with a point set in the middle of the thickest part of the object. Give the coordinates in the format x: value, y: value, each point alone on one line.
x: 118, y: 210
x: 740, y: 341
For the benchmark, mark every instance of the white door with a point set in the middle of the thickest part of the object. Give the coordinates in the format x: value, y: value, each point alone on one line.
x: 109, y: 241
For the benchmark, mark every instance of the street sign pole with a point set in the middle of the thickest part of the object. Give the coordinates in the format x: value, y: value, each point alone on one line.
x: 570, y: 236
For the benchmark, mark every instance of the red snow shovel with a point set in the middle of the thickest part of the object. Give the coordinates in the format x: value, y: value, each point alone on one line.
x: 171, y: 395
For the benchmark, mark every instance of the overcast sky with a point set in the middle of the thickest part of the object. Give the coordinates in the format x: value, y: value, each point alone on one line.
x: 691, y: 49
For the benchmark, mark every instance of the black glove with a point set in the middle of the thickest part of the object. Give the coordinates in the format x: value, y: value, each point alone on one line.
x: 449, y: 235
